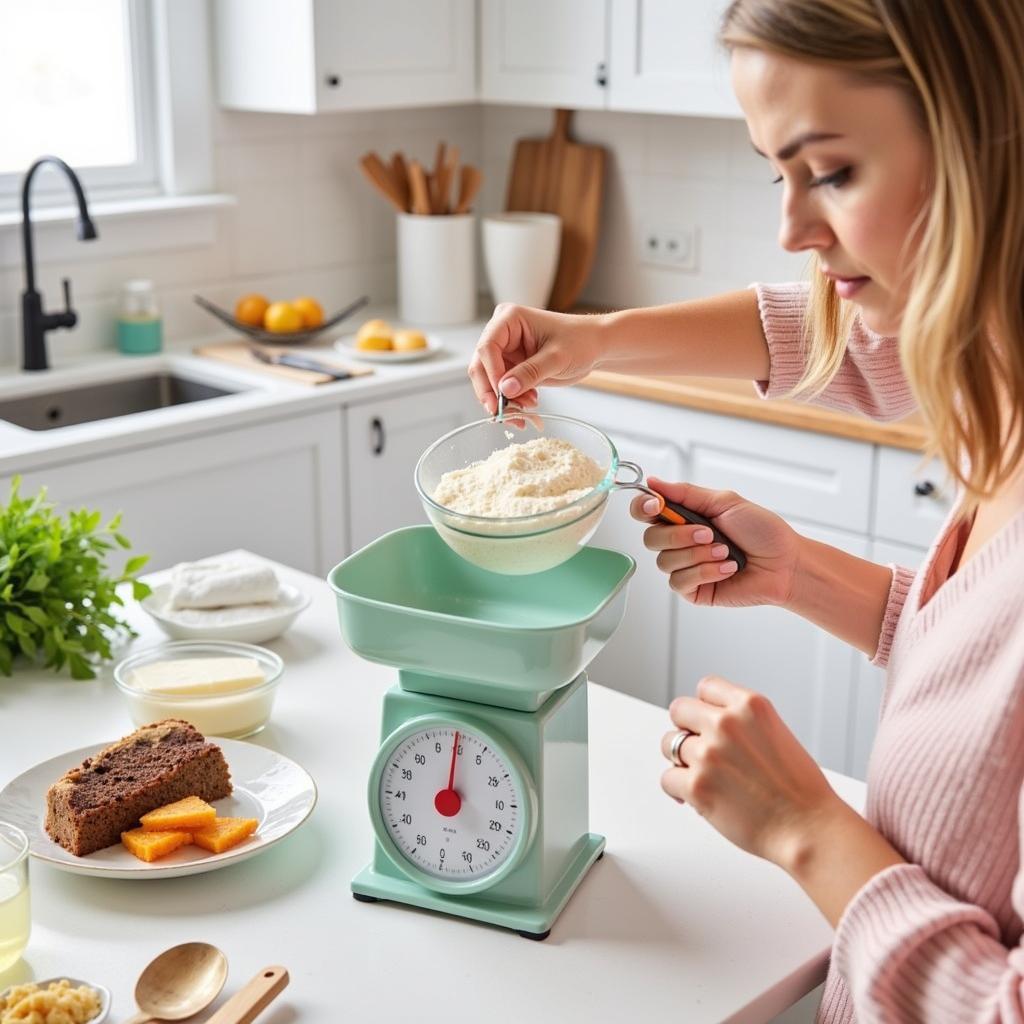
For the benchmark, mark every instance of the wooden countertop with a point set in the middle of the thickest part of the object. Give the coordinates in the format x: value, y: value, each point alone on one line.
x: 737, y: 398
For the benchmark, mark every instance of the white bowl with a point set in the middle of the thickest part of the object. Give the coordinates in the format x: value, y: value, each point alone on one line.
x: 101, y: 990
x: 252, y: 624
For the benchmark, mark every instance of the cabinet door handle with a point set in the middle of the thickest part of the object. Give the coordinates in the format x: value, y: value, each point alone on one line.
x: 602, y: 74
x: 377, y: 428
x: 333, y: 81
x: 924, y: 488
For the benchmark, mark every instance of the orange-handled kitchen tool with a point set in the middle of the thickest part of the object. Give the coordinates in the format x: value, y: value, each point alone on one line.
x: 673, y: 512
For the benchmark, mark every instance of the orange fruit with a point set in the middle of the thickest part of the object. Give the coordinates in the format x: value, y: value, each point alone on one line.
x: 310, y: 310
x: 282, y: 318
x: 250, y: 309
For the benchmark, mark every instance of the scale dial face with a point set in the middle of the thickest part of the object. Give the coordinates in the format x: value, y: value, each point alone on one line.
x: 453, y: 804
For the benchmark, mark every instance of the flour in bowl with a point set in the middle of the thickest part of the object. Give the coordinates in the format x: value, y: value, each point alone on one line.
x: 528, y: 479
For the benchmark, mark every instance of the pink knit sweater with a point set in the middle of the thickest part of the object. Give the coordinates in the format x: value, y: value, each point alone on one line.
x: 937, y: 939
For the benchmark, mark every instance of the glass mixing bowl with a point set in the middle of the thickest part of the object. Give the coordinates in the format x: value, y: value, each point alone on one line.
x: 519, y: 545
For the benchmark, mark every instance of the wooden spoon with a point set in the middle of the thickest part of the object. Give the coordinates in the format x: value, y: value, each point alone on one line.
x: 180, y: 982
x: 252, y: 998
x: 420, y: 192
x: 469, y: 185
x: 380, y: 177
x: 400, y: 174
x: 451, y: 165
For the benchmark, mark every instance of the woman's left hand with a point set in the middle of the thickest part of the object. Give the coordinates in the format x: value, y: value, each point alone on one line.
x: 745, y: 772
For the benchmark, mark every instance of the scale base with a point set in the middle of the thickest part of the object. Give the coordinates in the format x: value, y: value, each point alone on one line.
x: 533, y: 922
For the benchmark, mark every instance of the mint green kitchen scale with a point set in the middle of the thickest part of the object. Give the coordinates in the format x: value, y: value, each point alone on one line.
x: 479, y: 793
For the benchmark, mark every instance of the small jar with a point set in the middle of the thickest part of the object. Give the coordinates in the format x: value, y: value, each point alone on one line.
x: 139, y: 327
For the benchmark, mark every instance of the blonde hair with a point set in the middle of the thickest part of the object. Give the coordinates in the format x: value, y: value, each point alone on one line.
x: 962, y: 329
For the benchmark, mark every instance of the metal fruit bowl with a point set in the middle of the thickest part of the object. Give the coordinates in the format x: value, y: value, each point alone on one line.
x: 272, y: 338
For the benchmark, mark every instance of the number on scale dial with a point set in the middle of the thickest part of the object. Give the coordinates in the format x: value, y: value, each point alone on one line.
x: 450, y: 804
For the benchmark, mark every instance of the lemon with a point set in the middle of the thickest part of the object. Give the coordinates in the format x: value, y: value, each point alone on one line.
x: 374, y: 335
x: 250, y: 309
x: 408, y: 341
x: 310, y: 310
x: 282, y: 318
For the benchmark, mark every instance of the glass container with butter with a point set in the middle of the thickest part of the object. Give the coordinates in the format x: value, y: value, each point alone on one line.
x: 223, y: 688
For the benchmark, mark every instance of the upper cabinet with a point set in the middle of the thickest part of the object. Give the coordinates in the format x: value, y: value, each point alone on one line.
x: 666, y: 58
x: 547, y: 52
x: 309, y: 56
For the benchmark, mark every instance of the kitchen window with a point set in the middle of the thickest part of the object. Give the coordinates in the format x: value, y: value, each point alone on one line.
x: 77, y: 81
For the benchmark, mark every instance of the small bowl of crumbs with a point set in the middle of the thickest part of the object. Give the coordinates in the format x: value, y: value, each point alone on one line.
x: 518, y: 495
x: 55, y: 1001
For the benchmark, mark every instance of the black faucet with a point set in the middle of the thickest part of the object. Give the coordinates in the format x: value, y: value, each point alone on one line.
x: 34, y: 322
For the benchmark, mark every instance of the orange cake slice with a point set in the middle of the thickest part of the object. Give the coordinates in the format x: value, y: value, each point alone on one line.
x: 190, y: 813
x: 150, y: 846
x: 224, y: 833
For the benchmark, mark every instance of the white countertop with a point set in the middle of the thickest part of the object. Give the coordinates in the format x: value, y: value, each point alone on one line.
x: 266, y: 397
x: 674, y: 924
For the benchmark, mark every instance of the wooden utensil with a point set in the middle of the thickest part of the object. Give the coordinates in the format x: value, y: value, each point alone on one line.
x: 448, y: 172
x: 420, y: 192
x: 380, y: 177
x: 436, y: 178
x: 557, y: 175
x: 469, y: 184
x: 180, y: 982
x: 400, y: 175
x: 257, y: 994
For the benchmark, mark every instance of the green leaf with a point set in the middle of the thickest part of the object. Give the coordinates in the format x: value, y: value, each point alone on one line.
x: 37, y: 581
x: 133, y: 565
x: 17, y: 624
x: 28, y: 645
x: 6, y: 660
x: 122, y: 540
x: 37, y: 615
x: 80, y: 668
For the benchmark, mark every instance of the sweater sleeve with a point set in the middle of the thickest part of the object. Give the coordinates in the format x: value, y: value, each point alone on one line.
x: 902, y: 580
x: 911, y: 952
x: 870, y: 378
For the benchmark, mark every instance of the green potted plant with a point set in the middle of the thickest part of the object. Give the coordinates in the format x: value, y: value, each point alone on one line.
x: 57, y: 593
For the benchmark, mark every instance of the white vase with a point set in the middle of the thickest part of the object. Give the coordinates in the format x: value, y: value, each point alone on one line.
x: 521, y: 256
x: 436, y: 269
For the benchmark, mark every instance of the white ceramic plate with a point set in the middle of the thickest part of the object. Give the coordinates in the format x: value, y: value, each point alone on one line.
x: 267, y: 786
x: 251, y: 624
x: 347, y: 345
x: 104, y: 993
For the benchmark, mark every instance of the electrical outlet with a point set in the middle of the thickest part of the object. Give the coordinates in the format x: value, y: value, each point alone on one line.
x: 670, y: 247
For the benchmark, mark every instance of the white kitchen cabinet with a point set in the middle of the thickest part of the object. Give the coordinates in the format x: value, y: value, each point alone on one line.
x: 308, y: 56
x: 638, y: 658
x: 385, y: 439
x: 870, y: 681
x: 275, y: 488
x: 666, y: 58
x: 912, y: 497
x: 544, y: 52
x: 808, y: 674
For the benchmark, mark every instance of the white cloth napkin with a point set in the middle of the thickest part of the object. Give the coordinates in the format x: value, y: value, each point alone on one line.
x: 220, y: 583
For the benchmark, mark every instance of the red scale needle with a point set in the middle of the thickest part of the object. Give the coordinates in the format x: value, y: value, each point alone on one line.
x: 447, y: 801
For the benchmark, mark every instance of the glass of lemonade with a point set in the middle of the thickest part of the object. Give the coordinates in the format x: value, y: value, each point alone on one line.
x: 15, y: 917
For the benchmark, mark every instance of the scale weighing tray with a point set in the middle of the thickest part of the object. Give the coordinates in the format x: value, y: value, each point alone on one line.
x: 455, y: 630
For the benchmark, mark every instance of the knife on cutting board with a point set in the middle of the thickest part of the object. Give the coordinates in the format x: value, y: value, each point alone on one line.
x: 297, y: 362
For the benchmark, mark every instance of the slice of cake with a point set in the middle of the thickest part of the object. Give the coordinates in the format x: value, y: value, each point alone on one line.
x: 90, y: 806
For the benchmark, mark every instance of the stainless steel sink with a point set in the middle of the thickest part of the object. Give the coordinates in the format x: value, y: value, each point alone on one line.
x: 87, y: 403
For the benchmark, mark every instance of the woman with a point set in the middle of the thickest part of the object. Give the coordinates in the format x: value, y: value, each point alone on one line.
x: 896, y: 130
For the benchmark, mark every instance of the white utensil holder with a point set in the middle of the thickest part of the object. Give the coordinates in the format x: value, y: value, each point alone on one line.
x: 436, y: 269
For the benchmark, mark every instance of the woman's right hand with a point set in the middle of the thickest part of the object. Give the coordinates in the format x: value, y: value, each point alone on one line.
x: 694, y: 563
x: 522, y: 348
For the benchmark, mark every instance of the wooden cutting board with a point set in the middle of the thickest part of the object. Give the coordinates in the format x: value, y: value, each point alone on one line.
x: 557, y: 175
x: 238, y: 353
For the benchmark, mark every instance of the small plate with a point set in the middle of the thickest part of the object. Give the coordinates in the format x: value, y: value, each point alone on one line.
x: 347, y: 345
x: 104, y: 993
x: 267, y: 786
x: 251, y: 624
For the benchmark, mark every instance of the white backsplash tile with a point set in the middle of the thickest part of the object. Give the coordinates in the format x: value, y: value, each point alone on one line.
x: 307, y: 221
